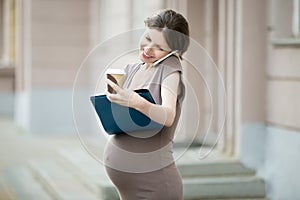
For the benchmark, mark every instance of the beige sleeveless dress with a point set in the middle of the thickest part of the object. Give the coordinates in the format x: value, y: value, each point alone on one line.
x: 141, y: 164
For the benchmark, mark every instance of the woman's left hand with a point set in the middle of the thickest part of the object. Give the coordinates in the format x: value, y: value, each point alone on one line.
x: 122, y: 97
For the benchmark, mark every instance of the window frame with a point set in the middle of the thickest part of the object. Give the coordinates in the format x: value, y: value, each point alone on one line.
x: 296, y: 18
x: 8, y: 33
x: 294, y: 40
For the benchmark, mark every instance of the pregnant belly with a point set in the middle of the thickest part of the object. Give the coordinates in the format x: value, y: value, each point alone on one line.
x: 165, y: 184
x: 125, y: 155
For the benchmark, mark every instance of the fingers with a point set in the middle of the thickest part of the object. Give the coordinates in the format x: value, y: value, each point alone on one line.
x: 123, y: 98
x: 108, y: 95
x: 111, y: 96
x: 115, y: 98
x: 114, y: 86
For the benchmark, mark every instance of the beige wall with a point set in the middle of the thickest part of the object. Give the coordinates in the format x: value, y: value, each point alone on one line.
x: 7, y: 55
x: 7, y: 89
x: 283, y: 97
x: 283, y: 72
x: 53, y: 38
x: 200, y: 74
x: 271, y: 86
x: 7, y: 83
x: 254, y: 61
x: 1, y: 28
x: 60, y: 41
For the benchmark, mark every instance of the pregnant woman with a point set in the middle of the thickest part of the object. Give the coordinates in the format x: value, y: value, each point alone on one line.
x: 141, y: 164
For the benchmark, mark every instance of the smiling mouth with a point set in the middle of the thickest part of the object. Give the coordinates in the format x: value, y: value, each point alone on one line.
x: 146, y: 55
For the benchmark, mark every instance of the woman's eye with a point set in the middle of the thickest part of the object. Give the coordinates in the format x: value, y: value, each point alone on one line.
x: 160, y: 48
x: 148, y: 38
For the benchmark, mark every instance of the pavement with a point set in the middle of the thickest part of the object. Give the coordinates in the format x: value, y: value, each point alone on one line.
x: 18, y: 146
x: 216, y: 175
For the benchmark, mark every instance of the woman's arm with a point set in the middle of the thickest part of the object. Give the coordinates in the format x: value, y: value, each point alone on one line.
x: 163, y: 114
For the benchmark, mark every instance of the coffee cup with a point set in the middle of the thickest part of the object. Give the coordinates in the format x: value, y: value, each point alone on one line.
x: 116, y: 76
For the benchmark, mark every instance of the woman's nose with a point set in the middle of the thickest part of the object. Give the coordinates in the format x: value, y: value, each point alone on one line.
x: 148, y: 49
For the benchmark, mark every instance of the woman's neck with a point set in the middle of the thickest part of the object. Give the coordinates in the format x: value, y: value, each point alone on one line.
x: 148, y: 65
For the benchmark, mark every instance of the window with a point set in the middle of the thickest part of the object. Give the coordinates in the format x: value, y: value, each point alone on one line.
x: 7, y: 33
x: 296, y: 18
x: 286, y: 20
x: 1, y: 29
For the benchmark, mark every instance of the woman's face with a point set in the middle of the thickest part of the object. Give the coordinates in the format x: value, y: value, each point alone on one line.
x: 153, y: 46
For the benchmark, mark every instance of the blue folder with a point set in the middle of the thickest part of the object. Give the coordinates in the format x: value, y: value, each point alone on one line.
x: 118, y: 119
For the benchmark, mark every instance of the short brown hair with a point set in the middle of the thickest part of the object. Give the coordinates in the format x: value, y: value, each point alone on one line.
x: 175, y: 29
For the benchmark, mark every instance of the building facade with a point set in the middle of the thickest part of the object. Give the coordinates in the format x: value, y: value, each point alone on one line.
x: 254, y: 45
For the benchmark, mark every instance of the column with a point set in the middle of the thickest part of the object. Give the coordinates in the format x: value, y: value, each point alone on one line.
x: 229, y: 60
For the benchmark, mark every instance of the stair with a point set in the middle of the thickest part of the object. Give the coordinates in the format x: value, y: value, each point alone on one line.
x: 21, y: 185
x: 212, y: 178
x: 223, y: 187
x: 218, y: 177
x: 215, y: 165
x: 75, y: 175
x: 59, y: 182
x: 89, y: 172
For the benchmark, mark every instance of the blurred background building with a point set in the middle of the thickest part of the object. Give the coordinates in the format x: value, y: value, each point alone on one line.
x: 254, y: 43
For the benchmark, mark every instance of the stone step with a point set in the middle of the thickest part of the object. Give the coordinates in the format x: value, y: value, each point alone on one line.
x: 92, y: 174
x: 218, y: 168
x: 21, y: 185
x: 190, y: 164
x: 89, y: 171
x: 223, y: 188
x: 5, y: 191
x: 60, y: 183
x: 231, y: 199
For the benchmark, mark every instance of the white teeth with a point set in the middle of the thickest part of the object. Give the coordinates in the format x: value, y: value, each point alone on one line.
x: 146, y: 54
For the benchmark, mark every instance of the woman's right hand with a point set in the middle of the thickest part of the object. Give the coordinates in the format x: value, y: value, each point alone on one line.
x: 122, y: 96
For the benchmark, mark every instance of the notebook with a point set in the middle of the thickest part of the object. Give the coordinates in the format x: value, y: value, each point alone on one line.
x: 117, y: 119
